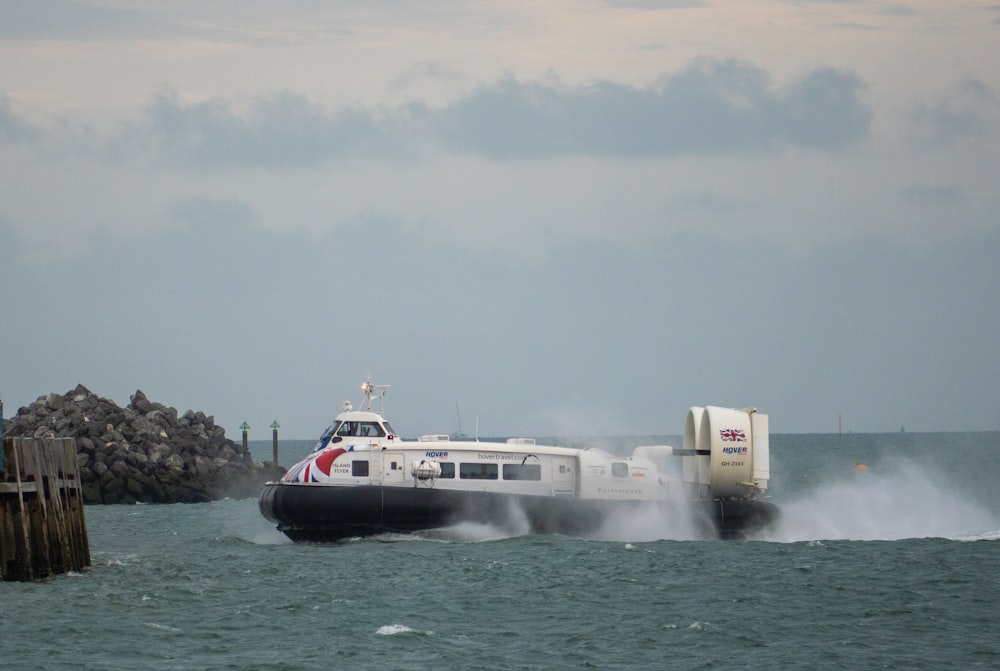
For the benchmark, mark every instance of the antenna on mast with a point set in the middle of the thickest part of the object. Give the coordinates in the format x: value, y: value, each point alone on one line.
x: 373, y: 391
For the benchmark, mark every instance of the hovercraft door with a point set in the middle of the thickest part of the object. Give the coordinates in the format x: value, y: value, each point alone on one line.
x: 563, y: 476
x: 393, y: 467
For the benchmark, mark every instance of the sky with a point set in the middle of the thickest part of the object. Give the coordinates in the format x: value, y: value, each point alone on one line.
x: 563, y: 218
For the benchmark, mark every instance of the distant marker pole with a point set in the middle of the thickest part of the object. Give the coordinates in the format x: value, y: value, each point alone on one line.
x: 244, y: 427
x: 1, y: 433
x: 274, y: 428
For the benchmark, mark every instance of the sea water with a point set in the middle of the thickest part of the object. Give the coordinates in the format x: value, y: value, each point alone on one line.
x: 892, y: 567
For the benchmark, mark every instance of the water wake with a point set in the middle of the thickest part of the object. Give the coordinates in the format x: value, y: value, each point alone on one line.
x: 512, y: 523
x: 675, y: 520
x: 893, y: 501
x: 468, y: 532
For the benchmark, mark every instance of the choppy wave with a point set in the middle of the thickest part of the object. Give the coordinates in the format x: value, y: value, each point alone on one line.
x: 214, y: 586
x: 395, y: 629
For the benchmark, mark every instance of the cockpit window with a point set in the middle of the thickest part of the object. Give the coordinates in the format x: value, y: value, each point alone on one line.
x: 372, y: 430
x: 361, y: 429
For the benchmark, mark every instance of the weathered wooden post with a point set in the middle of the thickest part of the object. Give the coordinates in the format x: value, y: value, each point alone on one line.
x: 42, y: 525
x: 274, y: 428
x: 244, y: 427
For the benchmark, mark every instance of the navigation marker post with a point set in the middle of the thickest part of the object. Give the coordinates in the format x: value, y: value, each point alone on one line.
x: 274, y: 428
x: 244, y: 427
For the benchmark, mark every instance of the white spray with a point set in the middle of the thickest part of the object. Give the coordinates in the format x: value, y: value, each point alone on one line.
x: 894, y: 500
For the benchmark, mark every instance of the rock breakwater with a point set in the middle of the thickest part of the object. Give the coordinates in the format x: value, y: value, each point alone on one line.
x: 145, y: 452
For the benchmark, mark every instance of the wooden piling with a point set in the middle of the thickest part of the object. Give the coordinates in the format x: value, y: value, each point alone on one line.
x: 43, y: 530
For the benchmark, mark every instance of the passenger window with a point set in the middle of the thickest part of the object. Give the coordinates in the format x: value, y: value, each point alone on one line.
x: 359, y: 469
x: 478, y: 472
x: 522, y: 471
x: 447, y: 469
x: 619, y: 470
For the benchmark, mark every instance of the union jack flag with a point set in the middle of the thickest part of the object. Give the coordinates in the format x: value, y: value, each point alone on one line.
x: 732, y: 435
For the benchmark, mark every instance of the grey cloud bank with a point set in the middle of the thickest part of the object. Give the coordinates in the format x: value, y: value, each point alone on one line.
x: 710, y: 107
x: 591, y: 337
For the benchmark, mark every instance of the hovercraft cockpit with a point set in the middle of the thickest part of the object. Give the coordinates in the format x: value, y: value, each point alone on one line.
x: 350, y: 424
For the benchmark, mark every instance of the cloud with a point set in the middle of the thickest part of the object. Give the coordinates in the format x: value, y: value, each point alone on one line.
x: 66, y: 19
x: 282, y: 130
x: 959, y: 114
x: 711, y: 107
x: 898, y: 10
x: 423, y: 72
x: 13, y: 129
x: 714, y: 107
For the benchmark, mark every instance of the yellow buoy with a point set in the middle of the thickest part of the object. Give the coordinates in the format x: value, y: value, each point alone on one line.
x: 860, y: 467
